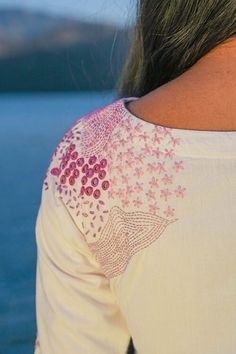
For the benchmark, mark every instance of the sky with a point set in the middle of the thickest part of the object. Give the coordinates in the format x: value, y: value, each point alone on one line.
x: 119, y: 12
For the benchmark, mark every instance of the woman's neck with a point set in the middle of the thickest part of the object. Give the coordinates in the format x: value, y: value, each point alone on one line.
x: 202, y: 98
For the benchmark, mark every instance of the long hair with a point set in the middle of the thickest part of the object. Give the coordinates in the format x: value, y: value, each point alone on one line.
x: 169, y: 37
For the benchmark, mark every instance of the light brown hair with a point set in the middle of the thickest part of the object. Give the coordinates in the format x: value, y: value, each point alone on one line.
x: 169, y: 37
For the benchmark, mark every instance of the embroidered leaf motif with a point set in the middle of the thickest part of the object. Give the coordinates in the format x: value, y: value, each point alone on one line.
x: 124, y: 234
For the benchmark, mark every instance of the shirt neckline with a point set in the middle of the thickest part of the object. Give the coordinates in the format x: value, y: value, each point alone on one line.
x: 185, y: 131
x: 193, y: 143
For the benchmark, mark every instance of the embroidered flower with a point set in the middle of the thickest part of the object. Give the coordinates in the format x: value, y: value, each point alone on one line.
x: 122, y: 184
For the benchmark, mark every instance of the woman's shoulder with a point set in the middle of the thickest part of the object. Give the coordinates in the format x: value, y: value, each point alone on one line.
x: 84, y: 143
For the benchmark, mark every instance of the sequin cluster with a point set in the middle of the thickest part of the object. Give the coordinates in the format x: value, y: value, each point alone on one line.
x: 88, y: 173
x: 79, y: 168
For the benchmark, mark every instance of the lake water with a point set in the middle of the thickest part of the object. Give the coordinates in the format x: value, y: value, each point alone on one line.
x: 31, y: 125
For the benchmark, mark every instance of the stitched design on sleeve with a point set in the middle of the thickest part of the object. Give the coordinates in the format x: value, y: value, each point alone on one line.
x: 122, y: 185
x: 125, y: 234
x: 79, y: 166
x: 93, y: 132
x: 145, y: 190
x: 144, y: 169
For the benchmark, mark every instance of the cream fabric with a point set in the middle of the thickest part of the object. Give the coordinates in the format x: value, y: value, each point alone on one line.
x: 136, y: 236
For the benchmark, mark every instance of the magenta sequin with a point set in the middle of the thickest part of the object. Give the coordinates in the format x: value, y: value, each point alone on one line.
x: 89, y: 172
x: 92, y: 160
x: 72, y: 180
x: 76, y: 173
x: 89, y: 190
x: 96, y: 167
x: 96, y: 193
x: 67, y: 172
x: 85, y: 168
x: 72, y: 165
x: 71, y: 147
x: 102, y: 174
x: 55, y: 171
x: 82, y: 190
x: 103, y: 163
x: 94, y: 181
x: 63, y: 164
x: 63, y: 179
x: 74, y: 155
x: 105, y: 185
x: 84, y: 180
x: 80, y: 161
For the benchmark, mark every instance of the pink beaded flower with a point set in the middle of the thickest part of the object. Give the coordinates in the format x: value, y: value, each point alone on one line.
x: 80, y: 171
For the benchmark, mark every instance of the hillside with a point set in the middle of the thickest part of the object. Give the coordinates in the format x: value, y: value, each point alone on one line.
x: 39, y: 52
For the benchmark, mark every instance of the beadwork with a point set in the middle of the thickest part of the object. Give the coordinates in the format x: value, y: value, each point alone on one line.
x: 98, y: 170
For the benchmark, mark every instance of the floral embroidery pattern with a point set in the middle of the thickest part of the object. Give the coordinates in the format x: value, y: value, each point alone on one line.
x: 119, y: 175
x: 144, y: 174
x: 79, y: 167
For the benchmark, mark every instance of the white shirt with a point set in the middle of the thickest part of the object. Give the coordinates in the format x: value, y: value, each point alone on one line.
x: 136, y: 237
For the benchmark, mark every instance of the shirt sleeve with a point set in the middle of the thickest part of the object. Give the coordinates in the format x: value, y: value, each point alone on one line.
x: 76, y: 311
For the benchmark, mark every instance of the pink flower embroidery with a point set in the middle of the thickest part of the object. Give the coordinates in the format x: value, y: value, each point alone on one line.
x: 125, y: 202
x: 129, y: 163
x: 157, y: 153
x: 166, y: 131
x: 137, y: 202
x: 120, y: 192
x: 157, y: 139
x: 129, y: 153
x: 129, y: 190
x: 169, y: 212
x: 131, y: 137
x: 160, y: 167
x: 139, y: 158
x: 178, y: 165
x: 169, y: 153
x: 125, y: 178
x: 114, y: 180
x: 167, y: 179
x: 120, y: 156
x: 143, y: 136
x: 153, y: 208
x: 122, y: 142
x: 138, y: 172
x: 146, y: 149
x: 138, y: 127
x: 174, y: 141
x: 151, y: 167
x: 154, y: 182
x: 138, y: 187
x: 165, y: 193
x: 111, y: 193
x: 180, y: 192
x: 150, y: 194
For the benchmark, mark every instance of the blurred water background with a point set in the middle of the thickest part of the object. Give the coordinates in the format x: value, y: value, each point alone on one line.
x: 59, y: 60
x: 31, y: 125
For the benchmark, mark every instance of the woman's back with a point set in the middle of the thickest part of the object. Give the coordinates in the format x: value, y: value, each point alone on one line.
x: 136, y: 238
x: 178, y: 291
x: 136, y: 227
